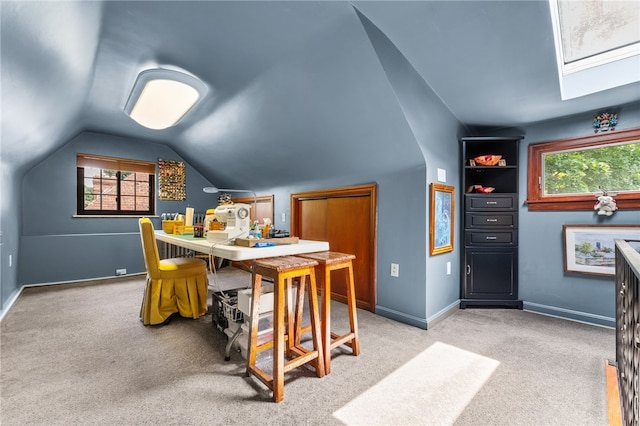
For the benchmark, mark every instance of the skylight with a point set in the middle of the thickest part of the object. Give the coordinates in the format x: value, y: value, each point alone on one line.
x: 597, y: 44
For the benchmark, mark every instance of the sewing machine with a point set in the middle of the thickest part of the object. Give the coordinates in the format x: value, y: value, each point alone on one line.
x: 235, y: 220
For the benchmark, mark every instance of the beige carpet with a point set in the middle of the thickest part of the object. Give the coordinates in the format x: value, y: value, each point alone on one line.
x: 437, y: 398
x: 79, y: 355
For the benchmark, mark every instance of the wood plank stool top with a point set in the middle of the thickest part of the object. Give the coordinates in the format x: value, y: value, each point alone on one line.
x: 331, y: 261
x: 283, y: 270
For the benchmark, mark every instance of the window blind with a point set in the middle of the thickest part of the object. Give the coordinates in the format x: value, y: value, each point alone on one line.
x: 114, y: 163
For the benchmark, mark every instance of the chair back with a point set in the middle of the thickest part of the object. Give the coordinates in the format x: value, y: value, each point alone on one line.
x: 149, y: 247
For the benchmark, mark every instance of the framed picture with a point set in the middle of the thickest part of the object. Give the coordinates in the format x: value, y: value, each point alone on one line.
x: 441, y: 222
x: 590, y: 249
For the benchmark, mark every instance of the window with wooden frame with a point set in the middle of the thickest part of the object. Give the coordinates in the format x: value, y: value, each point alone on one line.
x: 569, y: 174
x: 109, y: 186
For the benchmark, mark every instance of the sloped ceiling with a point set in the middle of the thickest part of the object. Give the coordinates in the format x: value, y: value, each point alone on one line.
x: 296, y: 90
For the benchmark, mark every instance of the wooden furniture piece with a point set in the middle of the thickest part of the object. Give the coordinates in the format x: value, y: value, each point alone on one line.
x: 173, y: 285
x: 490, y: 223
x: 283, y: 271
x: 332, y: 261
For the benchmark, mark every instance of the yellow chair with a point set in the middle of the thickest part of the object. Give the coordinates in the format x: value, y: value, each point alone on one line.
x: 173, y: 285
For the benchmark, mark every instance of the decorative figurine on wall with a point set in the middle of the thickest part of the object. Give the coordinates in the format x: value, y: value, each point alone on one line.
x: 604, y: 122
x: 606, y: 205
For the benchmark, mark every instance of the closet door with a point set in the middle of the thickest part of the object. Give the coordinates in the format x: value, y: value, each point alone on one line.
x: 347, y: 222
x: 312, y: 220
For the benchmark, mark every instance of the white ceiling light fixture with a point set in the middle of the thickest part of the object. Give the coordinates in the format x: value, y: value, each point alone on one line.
x: 161, y: 97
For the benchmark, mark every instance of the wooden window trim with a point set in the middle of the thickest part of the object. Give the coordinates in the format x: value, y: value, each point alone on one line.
x: 537, y: 201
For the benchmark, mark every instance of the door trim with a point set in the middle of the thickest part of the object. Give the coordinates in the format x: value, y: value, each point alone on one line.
x: 368, y: 190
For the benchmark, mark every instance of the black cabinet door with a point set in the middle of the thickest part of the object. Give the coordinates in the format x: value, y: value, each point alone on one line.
x: 491, y: 273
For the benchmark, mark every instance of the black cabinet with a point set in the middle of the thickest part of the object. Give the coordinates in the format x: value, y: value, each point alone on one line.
x: 490, y: 222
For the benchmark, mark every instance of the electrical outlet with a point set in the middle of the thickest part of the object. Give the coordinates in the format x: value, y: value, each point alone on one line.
x: 121, y: 271
x: 448, y: 268
x: 284, y: 217
x: 395, y: 270
x: 10, y: 260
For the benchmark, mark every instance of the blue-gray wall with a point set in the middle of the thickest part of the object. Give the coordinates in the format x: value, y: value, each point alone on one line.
x: 56, y: 246
x: 544, y: 286
x: 344, y: 108
x: 423, y: 290
x: 10, y: 224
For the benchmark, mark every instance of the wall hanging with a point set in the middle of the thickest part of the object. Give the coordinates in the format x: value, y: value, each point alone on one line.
x: 604, y: 122
x: 590, y: 249
x: 441, y: 215
x: 171, y: 181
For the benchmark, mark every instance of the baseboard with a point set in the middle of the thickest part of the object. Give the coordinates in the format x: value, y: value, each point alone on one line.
x: 12, y: 299
x: 89, y: 280
x: 569, y: 314
x: 443, y: 314
x: 401, y: 317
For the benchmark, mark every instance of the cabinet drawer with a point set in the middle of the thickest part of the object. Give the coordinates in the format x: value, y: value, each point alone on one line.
x: 491, y: 220
x: 474, y: 238
x: 491, y: 202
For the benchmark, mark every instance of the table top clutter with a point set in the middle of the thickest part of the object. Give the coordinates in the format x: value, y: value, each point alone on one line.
x: 234, y: 252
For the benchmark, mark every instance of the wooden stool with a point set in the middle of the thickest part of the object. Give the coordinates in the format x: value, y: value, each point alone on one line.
x: 331, y: 261
x: 283, y: 270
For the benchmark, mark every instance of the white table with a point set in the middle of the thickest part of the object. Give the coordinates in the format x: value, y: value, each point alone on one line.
x: 232, y: 252
x: 235, y: 253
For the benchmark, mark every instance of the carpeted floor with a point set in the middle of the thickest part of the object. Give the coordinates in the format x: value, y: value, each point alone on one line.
x: 78, y: 354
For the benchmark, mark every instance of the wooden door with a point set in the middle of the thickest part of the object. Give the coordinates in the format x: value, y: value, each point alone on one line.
x: 261, y: 207
x: 344, y: 217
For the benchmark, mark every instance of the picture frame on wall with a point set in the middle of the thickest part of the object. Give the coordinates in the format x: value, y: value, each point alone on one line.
x: 441, y: 218
x: 590, y: 249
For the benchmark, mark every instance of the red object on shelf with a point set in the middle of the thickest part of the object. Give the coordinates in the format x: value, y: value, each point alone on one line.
x: 487, y: 160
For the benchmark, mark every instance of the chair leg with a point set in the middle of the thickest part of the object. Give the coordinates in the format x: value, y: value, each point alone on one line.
x: 278, y: 337
x: 253, y: 333
x: 299, y: 309
x: 353, y: 319
x: 316, y: 331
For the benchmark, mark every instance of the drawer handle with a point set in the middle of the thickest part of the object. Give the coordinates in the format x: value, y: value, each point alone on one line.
x: 492, y: 202
x: 468, y: 269
x: 492, y: 238
x: 492, y: 220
